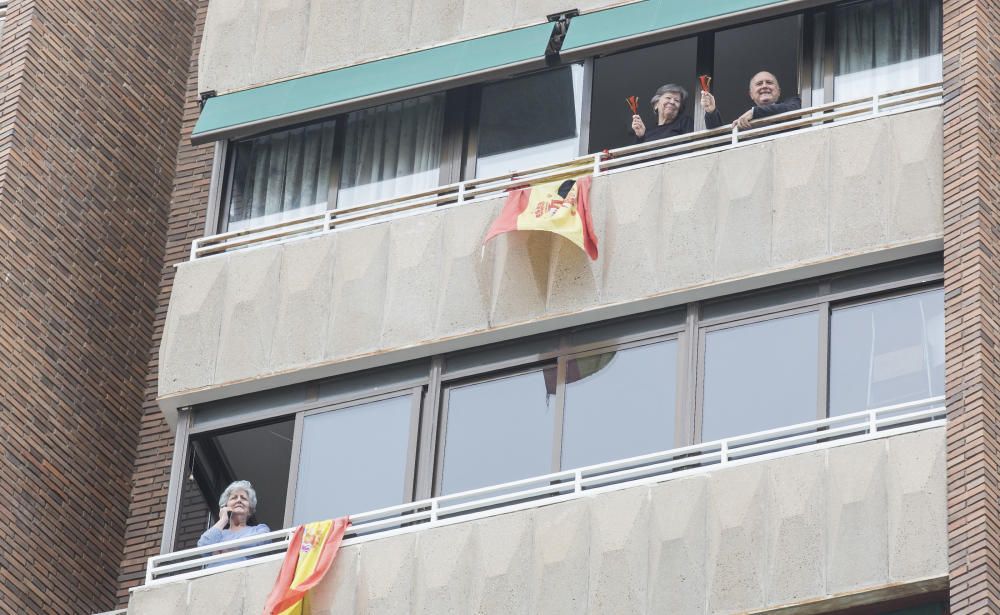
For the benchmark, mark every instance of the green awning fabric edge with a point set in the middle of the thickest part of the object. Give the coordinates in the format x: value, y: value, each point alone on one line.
x: 230, y: 111
x: 648, y: 16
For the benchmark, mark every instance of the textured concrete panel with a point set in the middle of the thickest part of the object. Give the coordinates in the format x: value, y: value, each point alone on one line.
x: 356, y: 304
x: 857, y: 545
x: 561, y: 562
x: 248, y: 315
x: 796, y: 529
x: 522, y: 261
x: 168, y: 599
x: 193, y: 325
x: 449, y: 570
x: 218, y: 593
x: 800, y: 199
x: 917, y: 510
x: 337, y: 592
x: 619, y: 552
x: 859, y: 196
x: 743, y: 231
x: 915, y: 180
x: 282, y: 34
x: 228, y: 45
x: 466, y: 274
x: 414, y: 270
x: 324, y: 18
x: 505, y: 584
x: 737, y: 532
x: 386, y: 576
x: 260, y: 579
x: 631, y: 207
x: 678, y: 545
x: 303, y: 294
x: 689, y: 222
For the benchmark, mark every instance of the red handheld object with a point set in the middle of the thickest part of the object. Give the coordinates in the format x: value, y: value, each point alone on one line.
x: 633, y: 104
x: 706, y: 80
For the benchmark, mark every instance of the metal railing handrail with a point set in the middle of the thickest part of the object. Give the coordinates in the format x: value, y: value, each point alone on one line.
x: 478, y: 189
x: 567, y: 484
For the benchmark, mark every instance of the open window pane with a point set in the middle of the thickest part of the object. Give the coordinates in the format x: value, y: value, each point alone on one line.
x: 260, y: 454
x: 636, y: 73
x: 354, y: 459
x: 279, y: 176
x: 887, y: 352
x: 391, y: 150
x: 740, y: 53
x: 499, y: 430
x: 619, y: 404
x: 760, y: 376
x: 885, y: 45
x: 530, y: 121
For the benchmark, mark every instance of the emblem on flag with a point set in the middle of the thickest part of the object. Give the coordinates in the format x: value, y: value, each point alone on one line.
x: 561, y: 207
x: 310, y: 554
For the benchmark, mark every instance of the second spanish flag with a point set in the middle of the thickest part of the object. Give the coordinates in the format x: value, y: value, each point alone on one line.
x: 561, y: 207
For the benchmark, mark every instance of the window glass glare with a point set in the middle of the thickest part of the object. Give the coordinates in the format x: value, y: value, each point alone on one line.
x: 619, y: 404
x: 530, y: 121
x: 499, y: 431
x: 760, y: 376
x: 887, y: 352
x: 353, y: 459
x: 391, y: 150
x: 886, y: 45
x: 280, y: 176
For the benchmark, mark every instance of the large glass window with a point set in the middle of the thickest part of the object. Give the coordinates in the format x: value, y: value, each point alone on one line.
x: 279, y: 176
x: 499, y: 430
x: 354, y: 459
x: 392, y: 150
x: 619, y: 404
x: 887, y: 352
x: 530, y: 121
x: 760, y: 376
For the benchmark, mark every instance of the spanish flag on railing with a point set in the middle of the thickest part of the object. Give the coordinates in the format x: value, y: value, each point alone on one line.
x: 561, y: 207
x: 310, y: 554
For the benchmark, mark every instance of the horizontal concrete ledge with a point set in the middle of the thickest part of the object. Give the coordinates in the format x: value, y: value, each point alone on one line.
x: 927, y: 588
x: 170, y: 404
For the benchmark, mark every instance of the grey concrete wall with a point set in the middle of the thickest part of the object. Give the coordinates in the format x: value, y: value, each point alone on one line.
x: 258, y: 318
x: 834, y: 522
x: 252, y: 42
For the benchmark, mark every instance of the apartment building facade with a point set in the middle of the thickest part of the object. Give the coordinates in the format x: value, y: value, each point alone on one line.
x: 771, y: 392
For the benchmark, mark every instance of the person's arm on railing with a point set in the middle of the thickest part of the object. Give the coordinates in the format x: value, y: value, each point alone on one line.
x: 792, y: 104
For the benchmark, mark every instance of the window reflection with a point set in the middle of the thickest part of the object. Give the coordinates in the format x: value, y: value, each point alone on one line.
x: 353, y: 459
x: 498, y: 431
x: 619, y: 404
x: 887, y: 352
x: 760, y: 376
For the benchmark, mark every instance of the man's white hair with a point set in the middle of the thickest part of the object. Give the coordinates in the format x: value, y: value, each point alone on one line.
x: 240, y: 485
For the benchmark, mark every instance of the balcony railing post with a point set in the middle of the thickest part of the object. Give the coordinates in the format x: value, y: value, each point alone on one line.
x: 872, y: 422
x: 434, y: 510
x: 875, y: 104
x: 194, y: 248
x: 736, y: 134
x: 577, y: 482
x: 461, y: 192
x: 724, y: 452
x: 597, y: 162
x: 328, y: 221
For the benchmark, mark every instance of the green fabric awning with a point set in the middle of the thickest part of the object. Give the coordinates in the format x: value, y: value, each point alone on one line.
x: 648, y: 16
x: 287, y: 99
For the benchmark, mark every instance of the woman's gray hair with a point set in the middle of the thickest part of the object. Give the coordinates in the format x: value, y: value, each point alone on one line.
x: 670, y: 87
x: 239, y: 485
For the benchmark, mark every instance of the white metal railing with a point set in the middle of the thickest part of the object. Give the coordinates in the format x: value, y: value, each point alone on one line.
x: 473, y: 190
x: 568, y: 484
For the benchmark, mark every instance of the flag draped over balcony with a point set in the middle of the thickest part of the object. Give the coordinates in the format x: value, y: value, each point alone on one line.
x: 310, y: 554
x: 561, y: 207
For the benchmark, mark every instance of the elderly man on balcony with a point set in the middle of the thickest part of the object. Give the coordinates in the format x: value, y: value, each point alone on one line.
x: 765, y: 92
x: 667, y: 103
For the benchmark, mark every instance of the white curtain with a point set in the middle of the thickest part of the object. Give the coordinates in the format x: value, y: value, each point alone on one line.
x: 886, y: 45
x: 392, y: 150
x: 281, y: 175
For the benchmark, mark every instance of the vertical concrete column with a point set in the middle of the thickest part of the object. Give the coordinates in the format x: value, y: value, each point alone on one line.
x: 971, y: 37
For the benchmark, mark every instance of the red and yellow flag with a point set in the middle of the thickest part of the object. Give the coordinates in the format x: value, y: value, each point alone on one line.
x: 561, y: 207
x: 310, y: 554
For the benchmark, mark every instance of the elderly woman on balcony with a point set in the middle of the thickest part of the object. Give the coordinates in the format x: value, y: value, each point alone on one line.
x: 236, y: 507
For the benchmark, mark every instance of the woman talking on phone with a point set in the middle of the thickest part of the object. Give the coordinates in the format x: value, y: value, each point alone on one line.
x: 236, y: 507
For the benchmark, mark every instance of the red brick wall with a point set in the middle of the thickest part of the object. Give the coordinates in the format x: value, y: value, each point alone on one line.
x: 186, y: 223
x: 972, y: 304
x: 89, y: 116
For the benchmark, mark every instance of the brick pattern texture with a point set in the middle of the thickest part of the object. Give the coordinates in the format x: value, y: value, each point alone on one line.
x: 89, y: 115
x: 972, y: 303
x: 186, y: 223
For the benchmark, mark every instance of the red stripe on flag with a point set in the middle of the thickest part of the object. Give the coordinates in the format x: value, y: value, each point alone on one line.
x: 514, y: 206
x: 284, y: 595
x: 583, y: 205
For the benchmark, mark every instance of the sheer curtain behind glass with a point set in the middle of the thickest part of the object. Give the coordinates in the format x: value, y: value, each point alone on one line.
x: 279, y: 176
x: 391, y: 150
x: 885, y: 45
